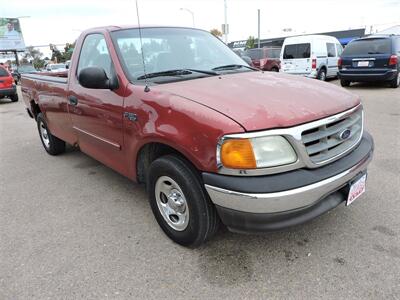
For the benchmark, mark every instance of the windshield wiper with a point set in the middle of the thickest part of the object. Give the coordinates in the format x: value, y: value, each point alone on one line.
x: 177, y: 72
x: 374, y: 52
x: 233, y: 67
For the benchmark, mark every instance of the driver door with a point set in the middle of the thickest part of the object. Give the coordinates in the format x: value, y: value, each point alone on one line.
x: 97, y: 114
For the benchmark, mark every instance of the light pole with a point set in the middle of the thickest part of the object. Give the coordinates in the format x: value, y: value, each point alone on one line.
x: 189, y: 11
x: 226, y: 21
x: 258, y: 42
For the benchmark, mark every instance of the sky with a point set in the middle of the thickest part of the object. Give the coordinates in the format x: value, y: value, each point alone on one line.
x: 59, y: 22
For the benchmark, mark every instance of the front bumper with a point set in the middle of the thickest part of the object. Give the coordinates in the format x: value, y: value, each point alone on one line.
x: 287, y: 199
x: 367, y: 76
x: 8, y: 91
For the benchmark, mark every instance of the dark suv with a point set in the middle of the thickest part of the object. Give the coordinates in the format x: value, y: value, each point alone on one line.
x: 373, y: 58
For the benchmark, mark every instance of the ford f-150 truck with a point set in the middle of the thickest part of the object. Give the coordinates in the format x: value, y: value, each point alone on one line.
x: 213, y: 139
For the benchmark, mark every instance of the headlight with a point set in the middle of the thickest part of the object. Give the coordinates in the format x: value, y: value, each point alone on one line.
x: 259, y: 152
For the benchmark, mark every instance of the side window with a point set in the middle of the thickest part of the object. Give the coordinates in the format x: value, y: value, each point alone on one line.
x: 330, y: 47
x: 398, y: 46
x: 94, y: 53
x: 339, y: 49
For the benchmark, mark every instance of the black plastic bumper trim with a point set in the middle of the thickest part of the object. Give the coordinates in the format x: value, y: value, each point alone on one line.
x: 252, y: 222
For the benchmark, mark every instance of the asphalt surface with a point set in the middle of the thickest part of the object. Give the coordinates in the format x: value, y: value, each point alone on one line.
x: 71, y: 228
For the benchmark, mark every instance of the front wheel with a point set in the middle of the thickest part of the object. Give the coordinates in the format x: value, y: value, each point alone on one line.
x: 52, y: 144
x: 179, y: 202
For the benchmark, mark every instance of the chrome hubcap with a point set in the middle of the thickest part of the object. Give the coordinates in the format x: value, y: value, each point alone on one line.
x: 171, y: 203
x: 44, y: 135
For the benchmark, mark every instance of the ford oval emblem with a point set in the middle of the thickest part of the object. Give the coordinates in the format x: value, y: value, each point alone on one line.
x: 345, y: 134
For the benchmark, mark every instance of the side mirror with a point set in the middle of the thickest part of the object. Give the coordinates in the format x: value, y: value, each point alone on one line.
x: 96, y: 78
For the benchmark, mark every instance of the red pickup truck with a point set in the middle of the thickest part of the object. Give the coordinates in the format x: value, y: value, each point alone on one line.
x: 211, y: 138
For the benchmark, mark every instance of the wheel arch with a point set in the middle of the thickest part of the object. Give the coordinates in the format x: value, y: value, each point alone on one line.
x: 150, y: 151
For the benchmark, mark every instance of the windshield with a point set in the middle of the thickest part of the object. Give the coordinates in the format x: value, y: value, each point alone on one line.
x: 368, y: 46
x: 26, y: 69
x: 166, y: 49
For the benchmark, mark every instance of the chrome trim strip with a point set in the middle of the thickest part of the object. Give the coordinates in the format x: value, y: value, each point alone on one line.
x: 285, y: 200
x: 118, y: 146
x: 293, y: 135
x: 366, y: 58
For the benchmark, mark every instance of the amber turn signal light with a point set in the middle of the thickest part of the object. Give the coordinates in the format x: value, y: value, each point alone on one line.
x: 238, y: 154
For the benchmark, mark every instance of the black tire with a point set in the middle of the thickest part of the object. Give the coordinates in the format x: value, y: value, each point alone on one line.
x: 395, y: 82
x: 203, y: 220
x: 53, y: 145
x: 14, y: 98
x: 275, y: 69
x: 321, y: 74
x: 344, y: 83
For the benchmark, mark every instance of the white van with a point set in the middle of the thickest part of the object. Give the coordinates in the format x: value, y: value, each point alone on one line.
x: 314, y: 56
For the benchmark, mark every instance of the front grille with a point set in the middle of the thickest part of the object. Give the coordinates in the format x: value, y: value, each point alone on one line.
x: 329, y: 140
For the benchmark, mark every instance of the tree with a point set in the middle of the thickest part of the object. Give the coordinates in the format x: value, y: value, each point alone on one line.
x: 216, y: 32
x: 251, y: 42
x: 68, y: 50
x: 34, y: 56
x: 32, y: 53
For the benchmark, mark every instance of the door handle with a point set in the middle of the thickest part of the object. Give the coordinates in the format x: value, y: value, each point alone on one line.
x: 73, y: 100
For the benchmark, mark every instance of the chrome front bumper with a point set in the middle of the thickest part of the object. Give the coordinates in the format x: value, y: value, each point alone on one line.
x: 285, y: 200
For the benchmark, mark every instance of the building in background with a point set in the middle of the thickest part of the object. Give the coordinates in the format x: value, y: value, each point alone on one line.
x: 344, y: 37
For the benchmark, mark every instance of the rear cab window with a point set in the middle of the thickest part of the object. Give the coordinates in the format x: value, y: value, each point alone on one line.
x: 369, y: 46
x: 295, y: 51
x: 3, y: 72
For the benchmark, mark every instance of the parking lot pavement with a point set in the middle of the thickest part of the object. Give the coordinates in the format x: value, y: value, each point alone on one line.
x: 72, y: 228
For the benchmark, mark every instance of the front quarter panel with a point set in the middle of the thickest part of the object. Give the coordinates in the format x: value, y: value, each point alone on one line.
x: 189, y: 127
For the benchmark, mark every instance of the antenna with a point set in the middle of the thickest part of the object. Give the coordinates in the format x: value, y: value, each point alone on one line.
x: 146, y: 88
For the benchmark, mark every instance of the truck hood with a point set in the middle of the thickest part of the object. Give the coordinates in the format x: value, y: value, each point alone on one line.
x: 258, y: 100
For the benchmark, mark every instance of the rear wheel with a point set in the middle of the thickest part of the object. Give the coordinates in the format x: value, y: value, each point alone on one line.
x: 395, y: 82
x: 321, y: 74
x: 14, y: 98
x: 179, y: 202
x: 274, y: 69
x: 344, y: 82
x: 53, y: 145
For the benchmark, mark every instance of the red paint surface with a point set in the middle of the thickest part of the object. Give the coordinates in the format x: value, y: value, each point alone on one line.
x: 189, y: 116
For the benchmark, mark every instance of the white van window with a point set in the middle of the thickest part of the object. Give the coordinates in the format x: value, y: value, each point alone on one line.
x: 297, y: 51
x: 330, y: 48
x: 339, y: 49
